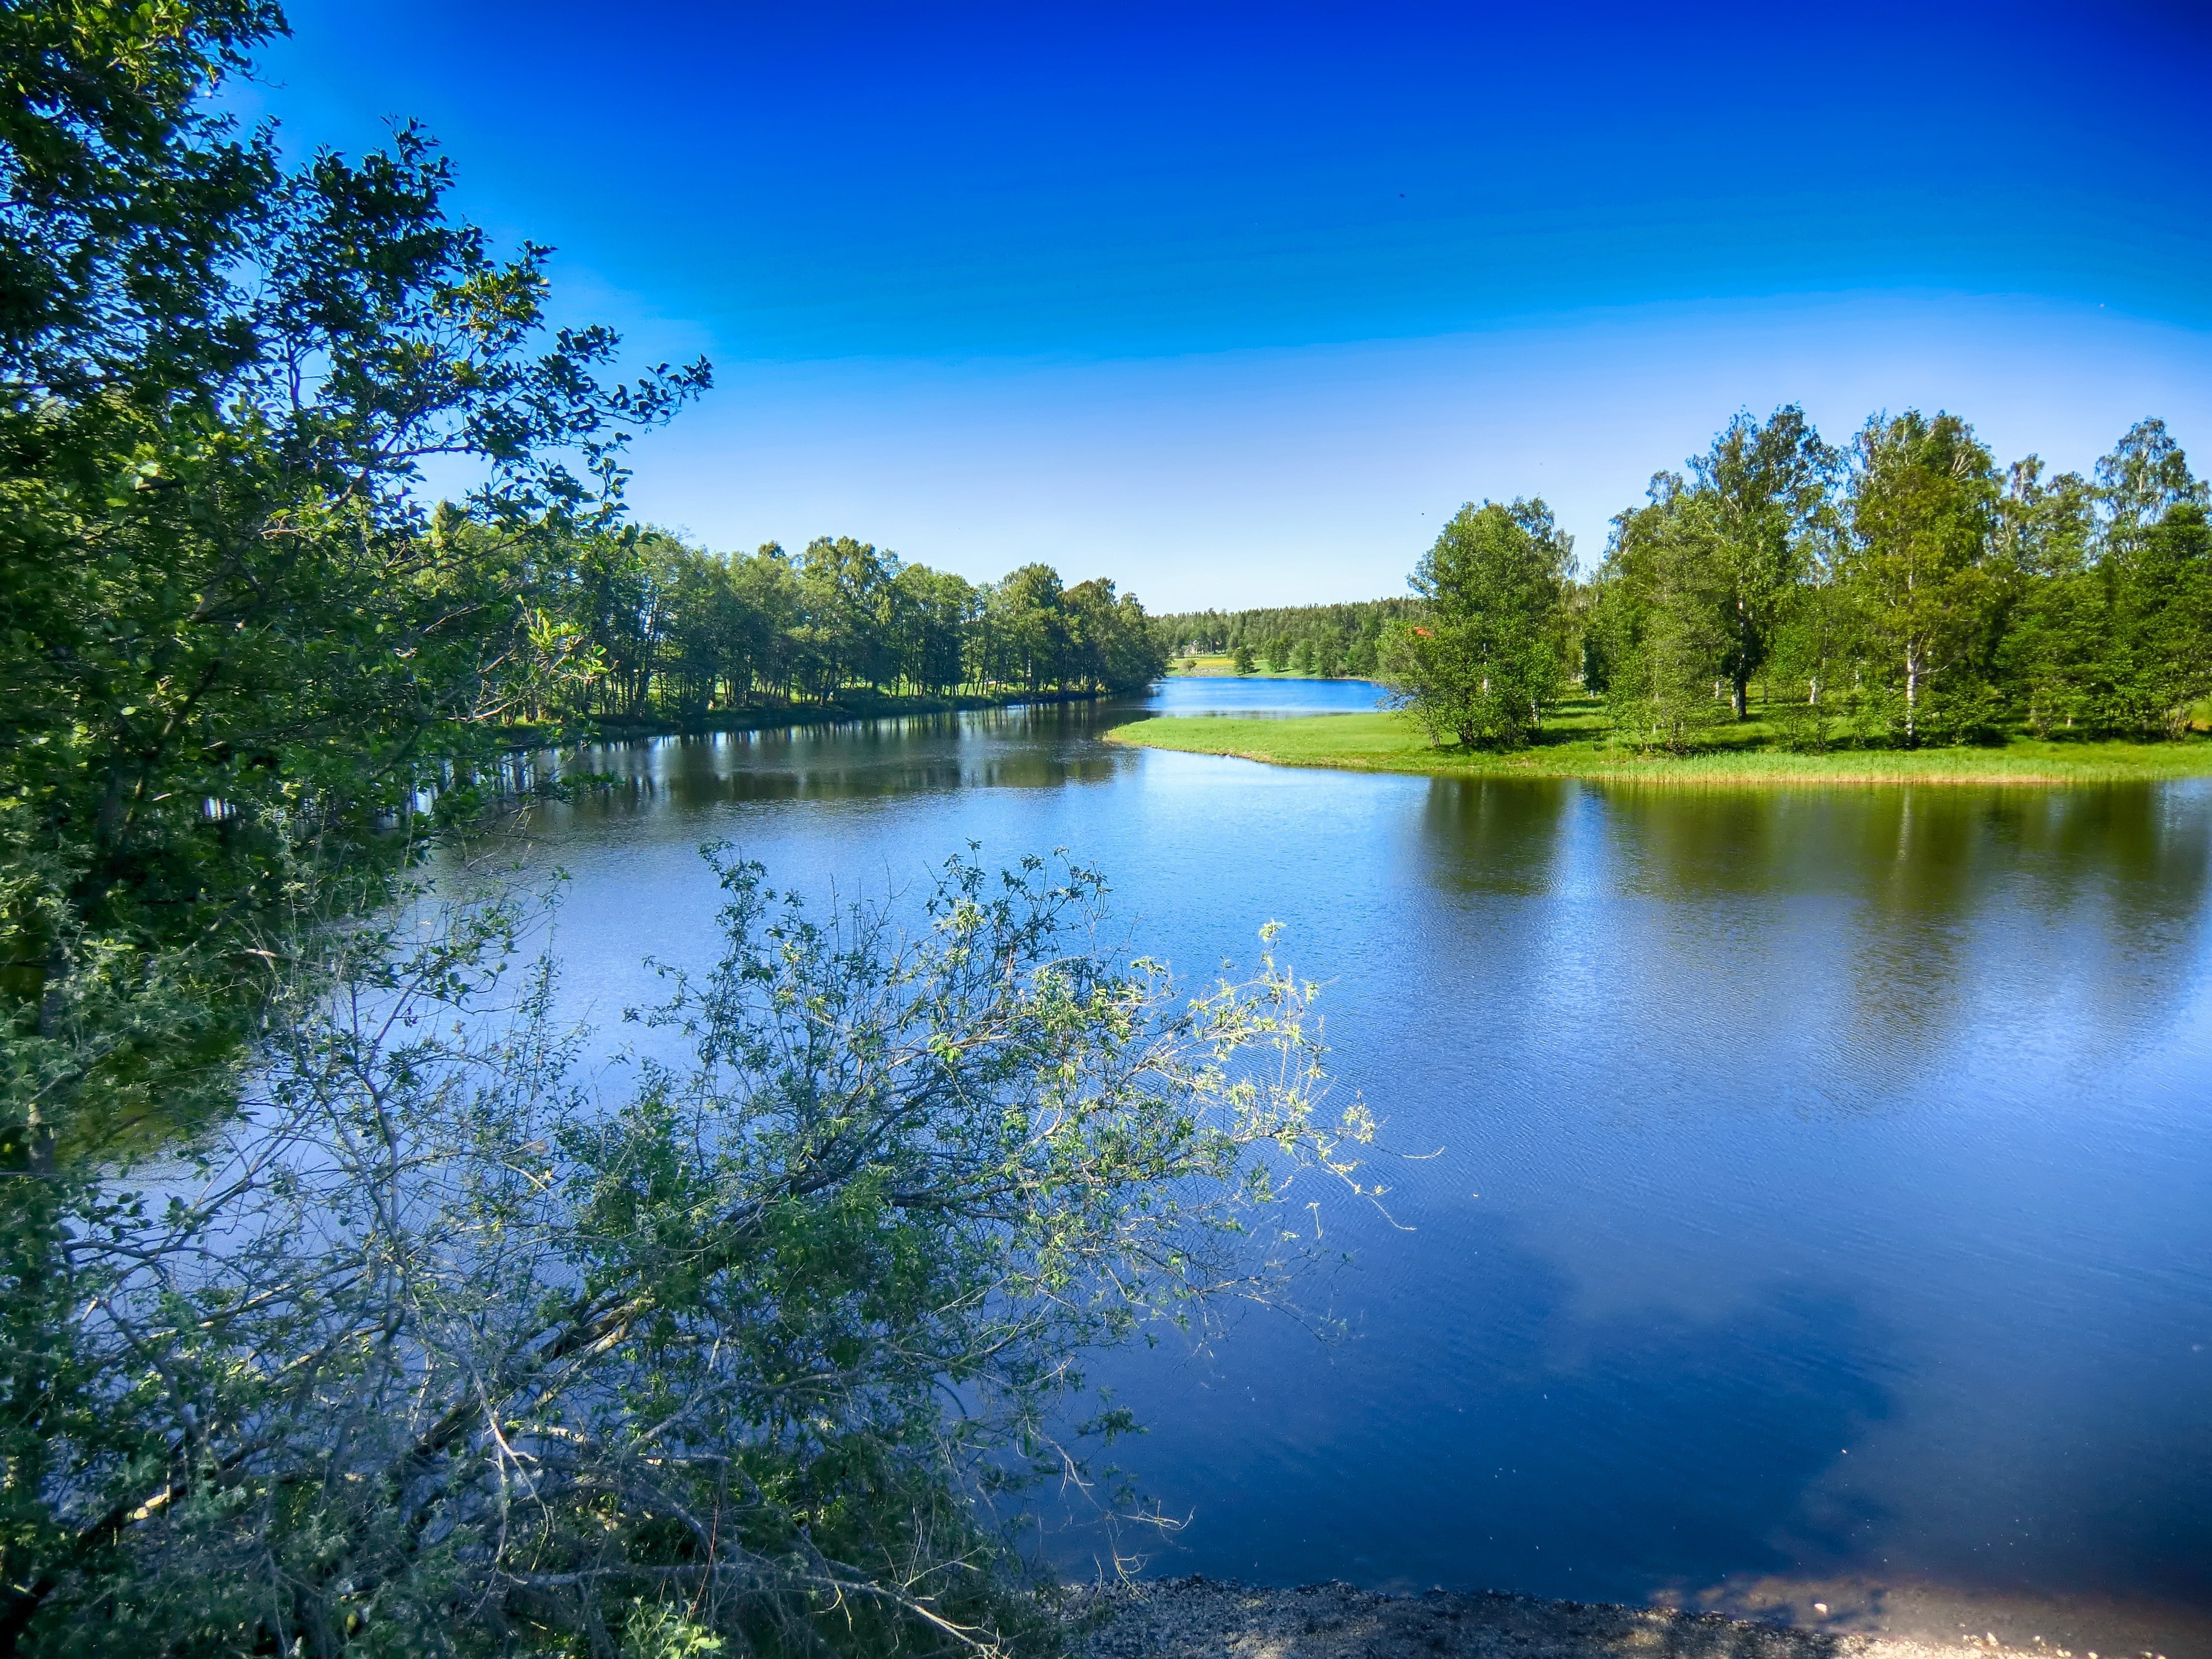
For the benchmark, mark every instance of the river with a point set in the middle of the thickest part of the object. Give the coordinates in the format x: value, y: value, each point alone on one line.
x: 1822, y: 1197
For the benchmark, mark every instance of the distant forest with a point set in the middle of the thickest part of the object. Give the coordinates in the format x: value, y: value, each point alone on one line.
x: 1309, y: 639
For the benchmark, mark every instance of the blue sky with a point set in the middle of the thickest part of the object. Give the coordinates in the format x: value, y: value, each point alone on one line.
x: 1236, y: 304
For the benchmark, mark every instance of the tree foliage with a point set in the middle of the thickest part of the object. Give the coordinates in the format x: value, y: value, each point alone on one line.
x: 1907, y: 591
x: 1763, y: 496
x: 434, y: 1350
x: 1922, y: 514
x: 1902, y: 591
x: 1667, y: 617
x: 679, y: 631
x: 1339, y: 638
x: 1484, y: 662
x: 419, y: 1345
x: 230, y: 627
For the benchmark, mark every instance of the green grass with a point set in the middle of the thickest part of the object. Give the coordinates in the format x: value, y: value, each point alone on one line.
x: 1574, y: 745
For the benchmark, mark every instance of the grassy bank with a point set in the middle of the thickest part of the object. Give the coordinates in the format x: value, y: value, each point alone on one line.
x: 1576, y: 746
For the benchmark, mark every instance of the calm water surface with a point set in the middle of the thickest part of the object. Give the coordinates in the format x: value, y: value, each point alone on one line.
x: 1825, y: 1182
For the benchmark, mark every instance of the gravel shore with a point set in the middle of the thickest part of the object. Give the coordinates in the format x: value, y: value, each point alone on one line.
x: 1212, y: 1618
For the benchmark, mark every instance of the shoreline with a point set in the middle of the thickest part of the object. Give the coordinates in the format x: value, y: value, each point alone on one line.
x: 617, y: 729
x: 1198, y: 1618
x: 1389, y: 744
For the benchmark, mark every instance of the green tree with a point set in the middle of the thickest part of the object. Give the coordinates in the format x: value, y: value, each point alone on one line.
x: 236, y: 636
x: 127, y: 198
x: 1222, y: 631
x: 1093, y: 627
x: 1135, y: 653
x: 1922, y: 513
x: 943, y: 609
x: 486, y: 1363
x: 1815, y: 645
x: 1030, y: 624
x: 2143, y: 479
x: 621, y: 595
x: 1665, y: 628
x: 2151, y: 581
x: 767, y: 588
x: 1769, y: 484
x: 2156, y: 593
x: 845, y: 588
x: 1485, y: 663
x: 2055, y: 641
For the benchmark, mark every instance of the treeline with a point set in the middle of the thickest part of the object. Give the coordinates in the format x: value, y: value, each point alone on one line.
x: 1903, y: 589
x: 1314, y: 639
x: 674, y: 631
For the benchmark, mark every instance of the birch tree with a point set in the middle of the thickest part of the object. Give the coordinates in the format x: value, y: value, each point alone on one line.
x: 1923, y: 506
x: 1768, y: 483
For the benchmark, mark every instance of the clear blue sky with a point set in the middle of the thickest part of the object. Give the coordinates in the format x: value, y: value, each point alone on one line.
x: 1235, y: 305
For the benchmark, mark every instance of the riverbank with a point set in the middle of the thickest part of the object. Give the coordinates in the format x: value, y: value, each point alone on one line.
x: 774, y: 717
x: 1209, y: 1618
x: 1384, y: 742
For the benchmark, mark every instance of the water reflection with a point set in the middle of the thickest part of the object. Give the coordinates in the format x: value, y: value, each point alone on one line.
x: 1869, y: 931
x: 1841, y: 1154
x: 1002, y: 749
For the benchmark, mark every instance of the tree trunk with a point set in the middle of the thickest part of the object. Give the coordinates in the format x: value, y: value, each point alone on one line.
x: 1911, y: 695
